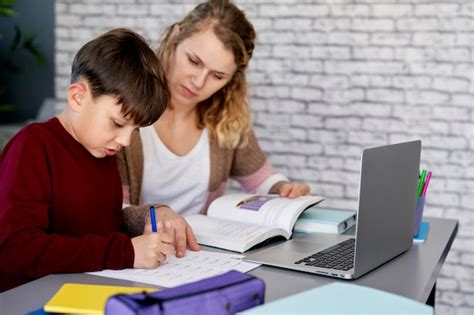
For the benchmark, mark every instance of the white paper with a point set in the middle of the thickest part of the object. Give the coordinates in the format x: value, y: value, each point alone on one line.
x: 176, y: 271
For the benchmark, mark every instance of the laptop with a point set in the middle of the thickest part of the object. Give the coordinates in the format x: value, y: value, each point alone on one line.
x: 385, y: 220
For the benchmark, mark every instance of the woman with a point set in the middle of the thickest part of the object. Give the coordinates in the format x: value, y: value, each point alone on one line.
x: 204, y: 137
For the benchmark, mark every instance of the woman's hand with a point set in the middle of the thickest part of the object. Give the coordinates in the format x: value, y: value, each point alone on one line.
x: 174, y: 224
x: 293, y: 190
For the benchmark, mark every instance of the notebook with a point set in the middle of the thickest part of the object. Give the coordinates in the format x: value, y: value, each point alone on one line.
x: 385, y: 220
x: 318, y: 219
x: 357, y: 299
x: 86, y: 298
x: 422, y: 233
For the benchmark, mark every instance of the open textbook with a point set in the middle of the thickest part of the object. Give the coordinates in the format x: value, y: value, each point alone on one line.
x: 237, y: 222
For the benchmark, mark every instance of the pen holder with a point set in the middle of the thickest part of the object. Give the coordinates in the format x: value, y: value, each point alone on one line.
x: 419, y: 214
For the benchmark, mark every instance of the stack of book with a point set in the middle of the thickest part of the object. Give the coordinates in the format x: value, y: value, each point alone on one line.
x: 325, y: 220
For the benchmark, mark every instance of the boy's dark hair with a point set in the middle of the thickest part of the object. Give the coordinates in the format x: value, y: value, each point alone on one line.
x: 120, y: 63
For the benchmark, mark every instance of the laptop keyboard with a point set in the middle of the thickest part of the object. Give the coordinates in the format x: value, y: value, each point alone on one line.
x: 338, y: 257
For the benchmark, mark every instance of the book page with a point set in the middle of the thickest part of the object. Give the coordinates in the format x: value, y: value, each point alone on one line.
x: 266, y: 210
x: 230, y: 235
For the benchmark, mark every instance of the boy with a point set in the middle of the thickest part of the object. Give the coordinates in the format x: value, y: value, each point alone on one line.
x: 61, y: 195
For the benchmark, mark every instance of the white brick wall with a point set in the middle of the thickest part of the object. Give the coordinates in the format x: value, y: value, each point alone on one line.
x: 330, y: 77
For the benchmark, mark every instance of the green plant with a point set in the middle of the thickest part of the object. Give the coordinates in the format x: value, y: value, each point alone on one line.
x: 20, y: 43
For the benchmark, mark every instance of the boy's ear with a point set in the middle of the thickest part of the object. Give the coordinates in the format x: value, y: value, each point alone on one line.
x: 76, y: 95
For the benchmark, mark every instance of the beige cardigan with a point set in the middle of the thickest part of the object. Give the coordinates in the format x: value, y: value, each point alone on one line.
x: 247, y: 165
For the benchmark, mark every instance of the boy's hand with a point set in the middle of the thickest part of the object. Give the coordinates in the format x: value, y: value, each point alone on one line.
x: 151, y: 249
x: 174, y: 224
x: 293, y: 190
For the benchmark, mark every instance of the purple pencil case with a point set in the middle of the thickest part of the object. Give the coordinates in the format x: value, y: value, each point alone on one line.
x: 228, y: 293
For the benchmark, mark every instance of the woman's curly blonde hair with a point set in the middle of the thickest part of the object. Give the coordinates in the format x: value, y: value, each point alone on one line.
x: 226, y: 114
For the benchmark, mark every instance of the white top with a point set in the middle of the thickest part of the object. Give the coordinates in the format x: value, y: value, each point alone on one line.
x: 180, y: 182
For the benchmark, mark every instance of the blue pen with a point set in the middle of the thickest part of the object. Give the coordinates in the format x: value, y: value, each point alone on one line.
x: 153, y: 219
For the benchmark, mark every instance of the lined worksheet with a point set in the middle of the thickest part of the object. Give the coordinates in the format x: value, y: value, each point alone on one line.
x: 176, y: 271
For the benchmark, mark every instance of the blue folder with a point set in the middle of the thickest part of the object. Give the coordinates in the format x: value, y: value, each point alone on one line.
x: 343, y: 298
x: 40, y: 311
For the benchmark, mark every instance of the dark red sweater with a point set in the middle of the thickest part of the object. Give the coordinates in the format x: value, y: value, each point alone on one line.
x: 60, y: 207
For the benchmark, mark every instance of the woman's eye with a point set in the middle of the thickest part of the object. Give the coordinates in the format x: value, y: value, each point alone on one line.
x: 194, y: 62
x: 218, y: 77
x: 116, y: 124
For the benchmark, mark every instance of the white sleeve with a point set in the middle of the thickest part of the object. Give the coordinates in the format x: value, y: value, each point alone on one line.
x: 267, y: 184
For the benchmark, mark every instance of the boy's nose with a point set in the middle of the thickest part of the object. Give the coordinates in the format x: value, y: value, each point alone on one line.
x: 123, y: 139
